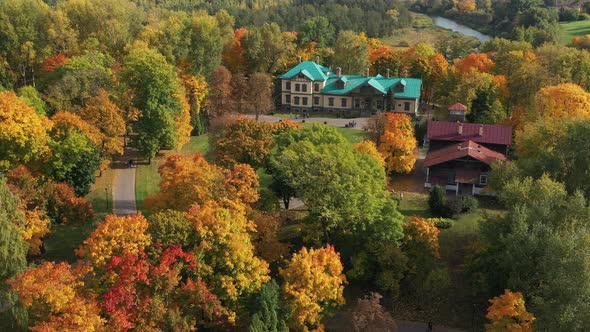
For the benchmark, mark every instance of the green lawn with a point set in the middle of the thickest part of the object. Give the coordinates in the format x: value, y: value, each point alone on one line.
x: 147, y: 177
x: 64, y: 239
x: 571, y: 29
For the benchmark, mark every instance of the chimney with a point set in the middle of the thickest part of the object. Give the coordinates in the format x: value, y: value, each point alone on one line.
x: 299, y: 58
x: 387, y: 72
x: 480, y: 130
x: 460, y: 128
x: 338, y: 72
x: 367, y: 72
x: 317, y: 59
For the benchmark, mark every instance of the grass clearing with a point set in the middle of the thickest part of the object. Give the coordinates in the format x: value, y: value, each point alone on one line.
x: 63, y: 239
x: 570, y: 30
x: 147, y: 177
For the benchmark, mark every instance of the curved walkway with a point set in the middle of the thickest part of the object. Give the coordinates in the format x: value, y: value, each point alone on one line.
x: 124, y: 187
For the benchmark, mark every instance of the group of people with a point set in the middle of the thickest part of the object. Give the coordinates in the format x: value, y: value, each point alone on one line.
x: 350, y: 124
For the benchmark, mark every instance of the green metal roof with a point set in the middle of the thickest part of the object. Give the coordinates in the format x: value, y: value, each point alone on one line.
x: 380, y: 83
x: 310, y: 69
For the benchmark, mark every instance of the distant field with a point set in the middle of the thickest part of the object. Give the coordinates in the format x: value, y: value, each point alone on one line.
x: 571, y: 29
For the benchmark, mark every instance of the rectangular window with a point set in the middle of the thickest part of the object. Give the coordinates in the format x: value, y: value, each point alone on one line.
x: 304, y: 99
x: 296, y: 100
x: 297, y: 87
x: 357, y: 103
x: 287, y: 99
x: 304, y: 87
x: 330, y: 101
x: 316, y: 100
x: 288, y: 86
x: 316, y: 87
x: 406, y: 106
x: 483, y: 179
x: 343, y: 102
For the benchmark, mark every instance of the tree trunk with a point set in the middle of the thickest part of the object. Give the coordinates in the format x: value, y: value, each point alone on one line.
x: 325, y: 229
x: 286, y: 201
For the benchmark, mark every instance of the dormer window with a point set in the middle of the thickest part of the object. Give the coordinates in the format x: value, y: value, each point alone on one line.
x: 400, y: 86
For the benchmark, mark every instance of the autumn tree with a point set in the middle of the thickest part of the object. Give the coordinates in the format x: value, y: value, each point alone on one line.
x: 369, y: 148
x: 234, y: 53
x: 564, y: 101
x: 102, y: 113
x: 22, y: 132
x: 309, y: 304
x: 475, y: 61
x: 157, y: 95
x: 113, y: 237
x: 258, y: 100
x: 243, y: 141
x: 375, y: 127
x: 54, y: 295
x: 13, y: 253
x: 398, y: 143
x: 507, y: 312
x: 197, y: 91
x: 268, y: 246
x: 219, y: 231
x: 421, y: 246
x: 32, y: 97
x: 220, y: 98
x: 191, y: 179
x: 161, y: 292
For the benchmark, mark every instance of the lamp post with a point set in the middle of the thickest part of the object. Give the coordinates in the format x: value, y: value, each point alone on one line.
x: 106, y: 196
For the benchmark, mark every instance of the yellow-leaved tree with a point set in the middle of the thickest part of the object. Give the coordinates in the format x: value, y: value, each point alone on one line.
x: 507, y: 312
x: 370, y: 149
x: 313, y: 283
x: 115, y: 236
x: 226, y: 252
x: 562, y: 102
x: 23, y: 135
x: 397, y: 144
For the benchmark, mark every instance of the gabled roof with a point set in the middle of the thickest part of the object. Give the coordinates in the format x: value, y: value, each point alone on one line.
x: 380, y: 83
x: 462, y: 150
x: 310, y: 69
x: 457, y: 107
x: 449, y: 131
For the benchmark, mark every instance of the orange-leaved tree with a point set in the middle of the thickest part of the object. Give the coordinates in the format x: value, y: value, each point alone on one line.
x: 313, y: 283
x: 370, y: 149
x: 113, y: 237
x: 54, y: 295
x: 398, y: 143
x: 226, y: 251
x: 266, y: 238
x: 35, y: 228
x: 23, y: 135
x: 191, y: 179
x: 507, y: 312
x: 243, y: 141
x: 475, y: 61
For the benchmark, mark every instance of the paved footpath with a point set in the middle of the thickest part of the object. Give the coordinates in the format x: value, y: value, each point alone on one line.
x: 124, y: 189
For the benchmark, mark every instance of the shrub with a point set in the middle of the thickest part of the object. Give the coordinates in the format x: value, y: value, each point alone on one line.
x: 437, y: 201
x: 454, y: 206
x: 568, y: 15
x: 469, y: 203
x: 583, y: 17
x: 442, y: 223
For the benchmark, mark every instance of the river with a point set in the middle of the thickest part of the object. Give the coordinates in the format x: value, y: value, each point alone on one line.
x: 454, y: 26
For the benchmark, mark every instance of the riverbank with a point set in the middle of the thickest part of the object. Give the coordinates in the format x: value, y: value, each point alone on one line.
x: 424, y: 30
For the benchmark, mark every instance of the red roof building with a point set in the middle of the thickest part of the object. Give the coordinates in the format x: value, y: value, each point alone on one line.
x: 463, y: 150
x: 457, y: 107
x: 442, y: 133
